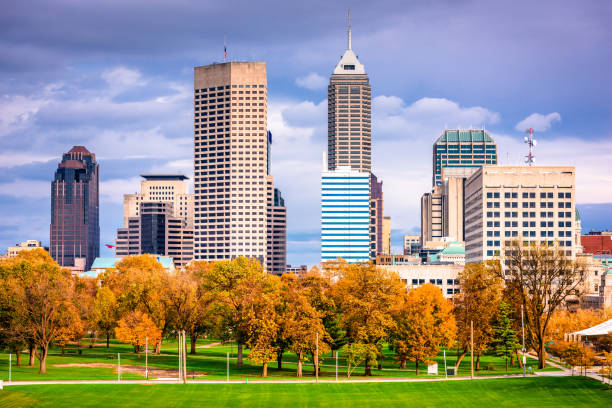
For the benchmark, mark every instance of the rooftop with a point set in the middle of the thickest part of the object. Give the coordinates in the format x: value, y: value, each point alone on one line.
x: 465, y: 135
x: 108, y: 263
x: 164, y: 177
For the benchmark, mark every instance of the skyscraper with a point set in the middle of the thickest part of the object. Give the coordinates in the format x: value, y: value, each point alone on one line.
x: 230, y: 160
x: 349, y: 133
x: 462, y: 148
x: 75, y: 228
x: 345, y: 215
x: 277, y: 231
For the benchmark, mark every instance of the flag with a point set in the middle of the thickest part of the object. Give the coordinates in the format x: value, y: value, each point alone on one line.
x: 109, y: 246
x: 224, y: 52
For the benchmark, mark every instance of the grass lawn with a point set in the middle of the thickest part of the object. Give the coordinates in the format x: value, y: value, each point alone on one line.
x: 99, y: 362
x: 531, y: 392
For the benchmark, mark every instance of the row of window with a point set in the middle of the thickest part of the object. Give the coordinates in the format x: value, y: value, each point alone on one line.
x: 495, y: 194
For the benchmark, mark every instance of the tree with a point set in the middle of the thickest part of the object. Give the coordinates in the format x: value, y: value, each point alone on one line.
x: 505, y: 340
x: 606, y: 369
x: 481, y: 292
x: 259, y: 318
x: 425, y: 322
x: 364, y: 295
x: 564, y: 321
x: 44, y: 295
x: 189, y: 302
x: 104, y: 314
x: 545, y: 278
x: 301, y: 323
x: 72, y: 331
x: 140, y: 282
x: 138, y: 329
x: 225, y: 281
x: 576, y: 354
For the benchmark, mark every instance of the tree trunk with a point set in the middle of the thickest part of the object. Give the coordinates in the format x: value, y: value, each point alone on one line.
x: 333, y: 353
x: 107, y: 340
x: 137, y: 351
x: 417, y: 367
x: 18, y: 352
x: 63, y: 349
x: 520, y: 361
x: 511, y: 360
x: 299, y: 365
x: 194, y: 339
x: 478, y: 362
x: 402, y: 364
x: 463, y: 354
x: 43, y: 360
x: 368, y: 369
x: 541, y: 355
x: 506, y: 364
x: 279, y: 360
x: 158, y: 348
x: 32, y: 354
x: 239, y: 359
x: 264, y: 373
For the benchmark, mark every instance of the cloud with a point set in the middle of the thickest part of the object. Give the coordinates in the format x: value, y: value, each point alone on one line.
x: 538, y: 122
x: 113, y: 190
x: 392, y: 116
x: 120, y: 78
x: 26, y: 189
x: 312, y: 81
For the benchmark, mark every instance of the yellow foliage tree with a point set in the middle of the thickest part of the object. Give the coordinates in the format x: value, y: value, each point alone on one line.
x: 481, y: 293
x: 137, y: 328
x: 365, y: 296
x: 425, y: 323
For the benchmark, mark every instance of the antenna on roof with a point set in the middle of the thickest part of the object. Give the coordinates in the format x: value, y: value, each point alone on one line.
x: 224, y: 48
x: 349, y: 28
x: 531, y: 142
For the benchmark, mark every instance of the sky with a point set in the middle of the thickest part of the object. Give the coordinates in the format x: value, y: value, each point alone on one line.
x: 117, y: 76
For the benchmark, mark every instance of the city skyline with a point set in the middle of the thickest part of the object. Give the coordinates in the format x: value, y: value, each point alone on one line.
x: 113, y: 98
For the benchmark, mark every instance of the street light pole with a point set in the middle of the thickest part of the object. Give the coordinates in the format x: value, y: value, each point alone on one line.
x: 472, y: 349
x: 523, y: 327
x: 146, y: 357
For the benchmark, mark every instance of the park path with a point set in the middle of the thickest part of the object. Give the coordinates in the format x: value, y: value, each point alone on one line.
x: 203, y: 346
x: 263, y: 381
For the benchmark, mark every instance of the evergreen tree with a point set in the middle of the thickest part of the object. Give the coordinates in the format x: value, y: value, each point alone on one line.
x: 505, y: 340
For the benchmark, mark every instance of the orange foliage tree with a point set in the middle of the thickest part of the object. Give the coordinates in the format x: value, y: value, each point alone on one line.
x: 137, y: 328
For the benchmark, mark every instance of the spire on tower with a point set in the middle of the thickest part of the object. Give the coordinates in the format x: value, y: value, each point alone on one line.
x: 349, y: 28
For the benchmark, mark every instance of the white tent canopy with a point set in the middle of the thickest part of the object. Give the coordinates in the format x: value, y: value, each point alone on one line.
x: 600, y: 330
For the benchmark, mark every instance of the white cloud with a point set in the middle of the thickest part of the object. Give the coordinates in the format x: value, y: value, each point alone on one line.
x: 120, y: 78
x: 538, y: 122
x: 21, y: 188
x: 113, y: 190
x: 312, y: 81
x: 12, y: 159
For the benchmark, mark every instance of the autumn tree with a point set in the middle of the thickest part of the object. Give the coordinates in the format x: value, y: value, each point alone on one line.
x: 481, y: 293
x: 259, y: 319
x: 138, y: 329
x: 564, y: 321
x: 44, y: 294
x: 105, y: 314
x: 504, y: 340
x: 189, y: 302
x: 140, y: 282
x: 545, y: 278
x: 364, y: 295
x: 225, y: 282
x: 425, y: 323
x: 71, y: 331
x: 301, y: 323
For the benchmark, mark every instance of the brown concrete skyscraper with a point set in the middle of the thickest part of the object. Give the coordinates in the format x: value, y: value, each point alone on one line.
x: 230, y: 160
x: 349, y: 100
x: 75, y: 227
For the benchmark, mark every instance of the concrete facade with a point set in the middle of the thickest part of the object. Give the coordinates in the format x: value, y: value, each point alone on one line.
x: 530, y: 204
x: 386, y: 235
x: 161, y: 188
x: 276, y: 230
x: 14, y: 251
x: 230, y: 161
x: 415, y: 275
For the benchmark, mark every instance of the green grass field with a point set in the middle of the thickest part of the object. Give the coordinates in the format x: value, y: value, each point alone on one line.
x: 530, y: 392
x: 99, y: 363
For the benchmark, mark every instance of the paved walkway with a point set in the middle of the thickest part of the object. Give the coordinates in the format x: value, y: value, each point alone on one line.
x: 264, y: 381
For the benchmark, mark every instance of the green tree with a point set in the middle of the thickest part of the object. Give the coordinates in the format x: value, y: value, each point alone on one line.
x: 504, y: 339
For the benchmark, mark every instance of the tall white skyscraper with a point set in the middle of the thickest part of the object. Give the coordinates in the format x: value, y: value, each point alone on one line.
x: 230, y: 160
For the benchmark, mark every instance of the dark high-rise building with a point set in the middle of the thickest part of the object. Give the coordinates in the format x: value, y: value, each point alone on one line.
x: 75, y: 227
x: 349, y: 107
x: 376, y: 216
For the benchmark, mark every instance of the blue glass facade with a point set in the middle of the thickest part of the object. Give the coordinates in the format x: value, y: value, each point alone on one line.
x: 345, y: 215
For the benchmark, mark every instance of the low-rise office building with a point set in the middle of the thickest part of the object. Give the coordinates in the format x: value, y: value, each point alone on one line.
x: 13, y: 251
